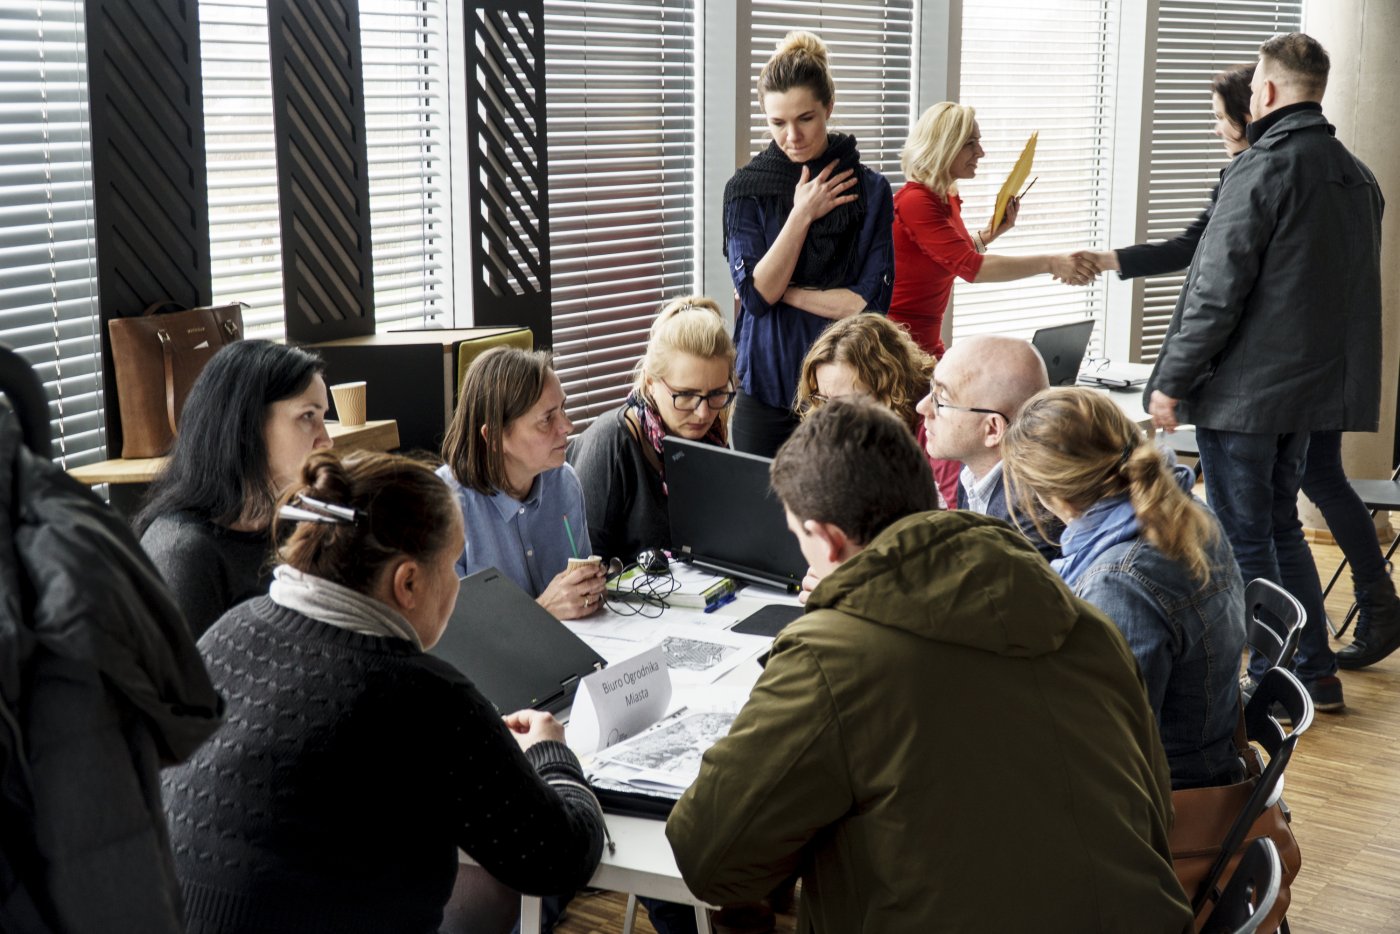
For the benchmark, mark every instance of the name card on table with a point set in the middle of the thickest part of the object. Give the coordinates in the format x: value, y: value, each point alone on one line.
x: 622, y: 699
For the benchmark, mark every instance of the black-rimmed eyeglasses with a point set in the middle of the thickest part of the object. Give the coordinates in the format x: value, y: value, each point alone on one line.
x: 939, y: 405
x: 690, y: 401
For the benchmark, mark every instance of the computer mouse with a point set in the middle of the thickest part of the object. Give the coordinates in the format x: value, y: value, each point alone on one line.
x: 653, y: 561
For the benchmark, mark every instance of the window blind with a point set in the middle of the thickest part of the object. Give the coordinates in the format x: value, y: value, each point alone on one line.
x: 1195, y: 39
x: 870, y: 47
x: 621, y: 114
x: 48, y: 286
x: 1046, y: 66
x: 402, y: 44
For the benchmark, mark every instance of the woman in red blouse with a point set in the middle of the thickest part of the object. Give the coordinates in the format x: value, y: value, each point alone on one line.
x: 931, y: 243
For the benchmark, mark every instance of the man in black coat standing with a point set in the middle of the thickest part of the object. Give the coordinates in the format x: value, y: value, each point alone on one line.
x: 1278, y: 331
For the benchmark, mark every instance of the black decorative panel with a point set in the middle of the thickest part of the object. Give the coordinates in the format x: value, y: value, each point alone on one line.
x: 322, y: 176
x: 150, y: 197
x: 509, y: 175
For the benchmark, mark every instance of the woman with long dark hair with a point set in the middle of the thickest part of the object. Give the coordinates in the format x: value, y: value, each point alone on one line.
x: 807, y: 235
x: 250, y: 420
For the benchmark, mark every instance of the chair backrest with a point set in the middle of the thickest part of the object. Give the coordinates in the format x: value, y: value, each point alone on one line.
x: 1276, y: 687
x: 1251, y: 893
x: 469, y: 350
x: 1273, y: 620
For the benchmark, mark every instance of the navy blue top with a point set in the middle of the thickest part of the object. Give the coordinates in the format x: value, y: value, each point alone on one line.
x: 773, y: 339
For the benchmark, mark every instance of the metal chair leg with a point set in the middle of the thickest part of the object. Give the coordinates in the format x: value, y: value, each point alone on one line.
x: 629, y: 916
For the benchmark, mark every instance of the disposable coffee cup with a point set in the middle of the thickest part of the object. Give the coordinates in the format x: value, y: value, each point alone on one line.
x: 591, y: 561
x: 349, y: 402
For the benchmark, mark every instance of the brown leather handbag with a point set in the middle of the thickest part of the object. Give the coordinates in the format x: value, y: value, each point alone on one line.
x: 1203, y: 818
x: 157, y: 356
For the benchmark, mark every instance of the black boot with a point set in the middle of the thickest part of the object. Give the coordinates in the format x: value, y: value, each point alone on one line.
x: 1377, y: 625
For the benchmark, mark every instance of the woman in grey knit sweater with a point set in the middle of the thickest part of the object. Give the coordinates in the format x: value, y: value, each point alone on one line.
x: 255, y: 413
x: 352, y: 766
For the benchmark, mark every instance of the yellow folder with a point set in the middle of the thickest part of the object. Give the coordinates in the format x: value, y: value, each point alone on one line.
x: 1014, y: 181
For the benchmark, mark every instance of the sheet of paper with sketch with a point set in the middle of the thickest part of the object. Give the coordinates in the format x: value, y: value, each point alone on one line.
x: 1019, y: 173
x: 665, y: 759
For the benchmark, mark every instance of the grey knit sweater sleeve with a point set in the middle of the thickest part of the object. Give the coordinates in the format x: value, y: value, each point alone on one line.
x: 208, y: 568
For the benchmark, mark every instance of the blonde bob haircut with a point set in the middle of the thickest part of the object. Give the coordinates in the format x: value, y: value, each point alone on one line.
x: 885, y: 359
x: 500, y: 386
x: 692, y: 325
x: 933, y: 144
x: 1075, y: 445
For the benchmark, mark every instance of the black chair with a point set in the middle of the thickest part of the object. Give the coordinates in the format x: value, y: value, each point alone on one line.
x: 1273, y: 620
x: 1377, y: 495
x: 21, y: 386
x: 1281, y: 687
x: 1251, y: 894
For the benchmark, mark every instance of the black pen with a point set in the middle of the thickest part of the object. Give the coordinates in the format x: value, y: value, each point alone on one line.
x: 1028, y: 188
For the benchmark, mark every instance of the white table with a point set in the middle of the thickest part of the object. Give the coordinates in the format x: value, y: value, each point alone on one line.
x: 1129, y: 401
x: 643, y: 863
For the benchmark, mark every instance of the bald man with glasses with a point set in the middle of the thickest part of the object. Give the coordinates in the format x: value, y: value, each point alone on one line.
x: 976, y: 390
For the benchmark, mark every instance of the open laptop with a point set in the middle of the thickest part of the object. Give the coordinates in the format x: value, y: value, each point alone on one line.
x: 511, y: 648
x: 724, y: 516
x: 1062, y: 347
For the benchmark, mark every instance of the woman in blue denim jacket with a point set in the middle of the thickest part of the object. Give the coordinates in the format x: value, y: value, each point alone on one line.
x: 1152, y: 557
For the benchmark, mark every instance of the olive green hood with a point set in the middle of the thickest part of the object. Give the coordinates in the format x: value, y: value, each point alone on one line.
x: 922, y: 565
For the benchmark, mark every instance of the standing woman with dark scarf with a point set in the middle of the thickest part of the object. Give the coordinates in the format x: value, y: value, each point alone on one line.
x: 807, y: 236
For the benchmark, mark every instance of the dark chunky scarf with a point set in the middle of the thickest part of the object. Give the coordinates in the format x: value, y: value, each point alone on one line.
x: 647, y: 429
x: 828, y: 258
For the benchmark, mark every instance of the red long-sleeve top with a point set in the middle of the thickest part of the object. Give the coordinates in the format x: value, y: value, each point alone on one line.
x: 931, y: 246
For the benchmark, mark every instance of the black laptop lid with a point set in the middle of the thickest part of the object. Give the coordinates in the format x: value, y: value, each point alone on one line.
x: 1062, y: 348
x: 725, y: 517
x: 511, y: 648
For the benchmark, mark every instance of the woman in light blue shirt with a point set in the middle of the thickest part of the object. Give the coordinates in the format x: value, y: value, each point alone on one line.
x: 1150, y: 556
x: 522, y: 506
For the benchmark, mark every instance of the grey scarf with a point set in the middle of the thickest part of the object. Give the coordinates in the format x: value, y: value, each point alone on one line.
x: 336, y: 605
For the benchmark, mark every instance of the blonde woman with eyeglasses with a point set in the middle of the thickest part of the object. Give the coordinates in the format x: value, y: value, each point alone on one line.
x: 683, y: 387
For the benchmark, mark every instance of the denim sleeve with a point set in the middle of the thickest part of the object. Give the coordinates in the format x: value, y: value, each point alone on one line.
x: 876, y: 281
x: 1146, y: 627
x: 748, y: 244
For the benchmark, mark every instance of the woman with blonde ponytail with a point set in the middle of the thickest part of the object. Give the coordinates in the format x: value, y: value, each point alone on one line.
x: 1141, y: 548
x: 683, y: 387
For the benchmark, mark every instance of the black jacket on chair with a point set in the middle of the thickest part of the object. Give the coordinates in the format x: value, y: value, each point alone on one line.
x: 100, y: 685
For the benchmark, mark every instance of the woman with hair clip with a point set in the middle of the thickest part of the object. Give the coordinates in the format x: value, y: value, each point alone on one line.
x: 871, y: 355
x: 1141, y: 548
x: 253, y: 415
x: 1324, y: 478
x: 807, y: 236
x: 522, y: 505
x: 682, y: 387
x: 932, y: 246
x: 351, y: 765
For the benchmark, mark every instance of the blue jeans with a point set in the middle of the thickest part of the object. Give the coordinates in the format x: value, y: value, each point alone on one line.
x: 1325, y: 483
x: 1252, y: 482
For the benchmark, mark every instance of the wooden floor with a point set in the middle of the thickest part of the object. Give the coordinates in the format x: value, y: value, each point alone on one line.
x: 1343, y: 787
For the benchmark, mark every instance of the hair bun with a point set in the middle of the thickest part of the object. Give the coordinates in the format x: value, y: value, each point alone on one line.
x: 802, y: 42
x: 323, y: 477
